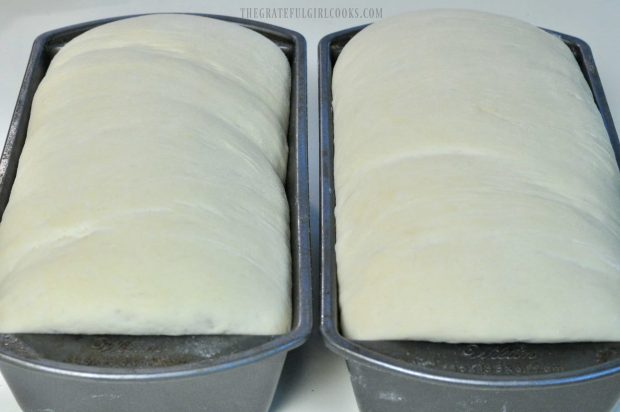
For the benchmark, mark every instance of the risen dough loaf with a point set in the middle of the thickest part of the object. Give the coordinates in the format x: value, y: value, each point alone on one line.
x: 477, y: 193
x: 149, y: 196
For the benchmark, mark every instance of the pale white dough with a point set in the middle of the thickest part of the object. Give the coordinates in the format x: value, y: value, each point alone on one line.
x: 477, y: 192
x: 149, y: 197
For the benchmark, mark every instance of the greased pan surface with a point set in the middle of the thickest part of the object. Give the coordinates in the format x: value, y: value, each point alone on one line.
x: 77, y: 373
x: 434, y: 377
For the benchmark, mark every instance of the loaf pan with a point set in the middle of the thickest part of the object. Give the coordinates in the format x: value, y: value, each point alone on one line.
x: 86, y: 373
x: 391, y: 376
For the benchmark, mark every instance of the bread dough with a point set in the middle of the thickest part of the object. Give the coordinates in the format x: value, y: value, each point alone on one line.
x: 149, y: 196
x: 477, y: 193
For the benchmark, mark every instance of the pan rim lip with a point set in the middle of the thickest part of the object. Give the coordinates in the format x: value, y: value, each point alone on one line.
x: 301, y: 292
x: 352, y: 350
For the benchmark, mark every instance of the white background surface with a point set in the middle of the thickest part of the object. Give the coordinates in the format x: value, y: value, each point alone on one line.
x: 313, y: 379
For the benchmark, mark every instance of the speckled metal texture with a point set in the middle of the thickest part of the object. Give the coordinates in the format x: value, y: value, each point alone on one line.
x: 395, y: 376
x: 79, y: 373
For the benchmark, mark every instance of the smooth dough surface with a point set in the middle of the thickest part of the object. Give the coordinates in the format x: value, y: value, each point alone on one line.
x: 477, y: 192
x: 149, y: 197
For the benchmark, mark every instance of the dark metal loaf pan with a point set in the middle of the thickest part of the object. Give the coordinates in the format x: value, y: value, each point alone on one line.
x: 80, y: 373
x: 391, y: 376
